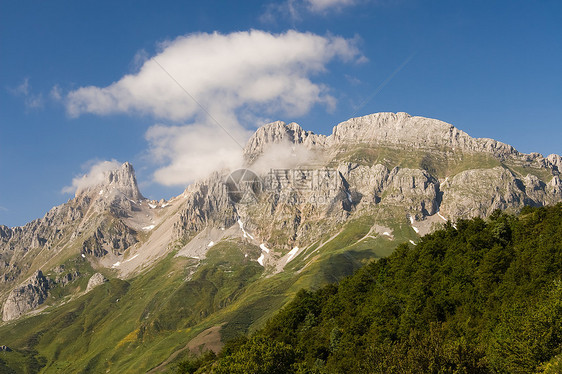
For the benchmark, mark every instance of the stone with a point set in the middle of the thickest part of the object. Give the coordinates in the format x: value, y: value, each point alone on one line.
x: 26, y: 297
x: 95, y: 280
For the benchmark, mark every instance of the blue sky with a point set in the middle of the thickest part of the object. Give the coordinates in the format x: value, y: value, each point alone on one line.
x: 79, y: 85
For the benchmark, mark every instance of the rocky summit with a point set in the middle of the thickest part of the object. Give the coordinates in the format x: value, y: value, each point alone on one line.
x: 234, y: 247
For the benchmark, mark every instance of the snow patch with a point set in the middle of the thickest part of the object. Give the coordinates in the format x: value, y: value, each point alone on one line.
x: 246, y: 235
x: 412, y: 220
x: 386, y: 233
x: 260, y: 259
x: 152, y: 206
x: 165, y: 205
x: 292, y: 254
x: 264, y: 248
x: 101, y: 192
x: 148, y: 228
x: 212, y: 243
x: 443, y: 183
x: 132, y: 258
x: 443, y: 218
x: 83, y: 255
x: 411, y: 241
x: 116, y: 264
x: 349, y: 197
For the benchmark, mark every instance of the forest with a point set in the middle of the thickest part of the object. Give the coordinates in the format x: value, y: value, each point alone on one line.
x: 477, y: 296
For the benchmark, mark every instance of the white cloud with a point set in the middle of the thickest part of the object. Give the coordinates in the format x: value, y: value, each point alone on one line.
x: 23, y: 88
x: 31, y: 100
x: 244, y: 68
x: 294, y: 9
x: 95, y: 175
x: 56, y: 93
x: 232, y: 77
x: 192, y: 152
x: 324, y: 5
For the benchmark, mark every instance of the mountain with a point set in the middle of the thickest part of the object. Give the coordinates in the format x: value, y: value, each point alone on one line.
x: 234, y: 247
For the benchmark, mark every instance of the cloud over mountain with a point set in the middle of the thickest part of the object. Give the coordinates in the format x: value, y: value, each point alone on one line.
x: 94, y: 176
x: 205, y: 84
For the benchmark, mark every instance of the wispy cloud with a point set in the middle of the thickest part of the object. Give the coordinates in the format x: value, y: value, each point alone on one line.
x: 232, y: 77
x: 3, y: 209
x: 95, y: 175
x: 295, y: 9
x: 56, y: 93
x: 24, y: 90
x: 324, y: 5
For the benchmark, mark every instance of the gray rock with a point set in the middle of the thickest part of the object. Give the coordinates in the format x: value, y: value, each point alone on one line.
x: 95, y: 281
x: 26, y: 297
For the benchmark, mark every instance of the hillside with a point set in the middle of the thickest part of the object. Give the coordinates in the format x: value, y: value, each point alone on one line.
x: 484, y: 297
x: 113, y: 282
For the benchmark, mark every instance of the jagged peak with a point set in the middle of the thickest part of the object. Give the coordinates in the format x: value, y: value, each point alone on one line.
x: 279, y: 132
x: 112, y: 180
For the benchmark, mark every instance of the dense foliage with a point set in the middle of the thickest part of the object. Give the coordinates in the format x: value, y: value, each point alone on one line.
x: 481, y: 297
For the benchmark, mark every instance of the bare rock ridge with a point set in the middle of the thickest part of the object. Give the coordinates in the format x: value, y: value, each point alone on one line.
x: 398, y: 130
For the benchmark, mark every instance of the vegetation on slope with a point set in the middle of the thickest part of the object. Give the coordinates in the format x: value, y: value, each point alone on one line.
x: 481, y: 297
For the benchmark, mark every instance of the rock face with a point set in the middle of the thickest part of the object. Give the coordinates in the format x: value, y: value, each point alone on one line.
x: 26, y: 297
x: 415, y: 165
x: 95, y: 281
x: 401, y: 129
x: 207, y: 204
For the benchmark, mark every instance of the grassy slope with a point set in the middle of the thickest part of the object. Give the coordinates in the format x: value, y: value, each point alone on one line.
x: 440, y: 164
x: 132, y: 326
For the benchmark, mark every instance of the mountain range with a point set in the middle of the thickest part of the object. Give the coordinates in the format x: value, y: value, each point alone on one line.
x: 130, y: 284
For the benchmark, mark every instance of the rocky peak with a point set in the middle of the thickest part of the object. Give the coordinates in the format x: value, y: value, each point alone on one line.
x: 279, y: 132
x: 402, y: 129
x: 120, y: 181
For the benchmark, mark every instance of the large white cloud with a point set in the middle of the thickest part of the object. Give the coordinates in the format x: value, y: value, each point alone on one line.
x: 211, y: 81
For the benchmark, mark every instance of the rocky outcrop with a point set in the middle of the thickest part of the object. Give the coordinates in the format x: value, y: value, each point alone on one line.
x: 26, y: 297
x: 110, y: 236
x: 95, y: 281
x: 401, y: 129
x: 207, y: 204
